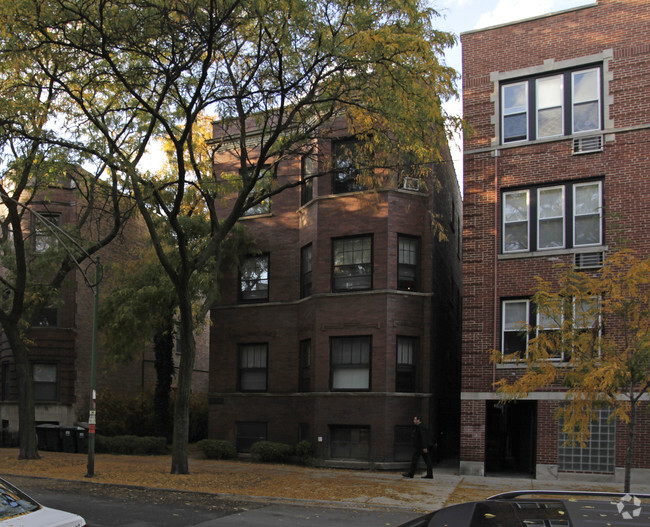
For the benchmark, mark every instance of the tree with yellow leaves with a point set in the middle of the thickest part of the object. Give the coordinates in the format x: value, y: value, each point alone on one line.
x: 592, y: 338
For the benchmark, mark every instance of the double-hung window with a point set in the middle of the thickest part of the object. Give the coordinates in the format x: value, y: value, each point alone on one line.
x: 45, y: 382
x: 352, y: 263
x: 345, y: 167
x: 307, y: 174
x: 254, y: 279
x: 408, y: 263
x: 552, y: 217
x: 549, y: 322
x: 587, y: 324
x: 44, y: 228
x: 514, y: 327
x: 551, y: 105
x: 252, y: 369
x: 406, y: 370
x: 305, y: 271
x: 350, y: 363
x: 262, y: 188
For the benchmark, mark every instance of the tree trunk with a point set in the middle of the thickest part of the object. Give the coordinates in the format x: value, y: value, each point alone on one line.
x: 631, y: 429
x: 164, y: 363
x: 184, y: 389
x: 26, y: 412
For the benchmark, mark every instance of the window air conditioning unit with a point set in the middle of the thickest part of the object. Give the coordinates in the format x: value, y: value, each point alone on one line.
x: 411, y: 183
x: 588, y: 260
x: 585, y: 145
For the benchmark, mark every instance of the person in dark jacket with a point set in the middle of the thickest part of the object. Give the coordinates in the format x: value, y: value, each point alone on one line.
x: 420, y: 437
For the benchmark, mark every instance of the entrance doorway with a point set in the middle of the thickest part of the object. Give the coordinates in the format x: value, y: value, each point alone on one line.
x: 510, y: 433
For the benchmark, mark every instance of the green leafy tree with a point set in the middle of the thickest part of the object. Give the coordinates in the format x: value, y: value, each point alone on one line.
x: 36, y: 255
x: 593, y: 339
x: 274, y: 73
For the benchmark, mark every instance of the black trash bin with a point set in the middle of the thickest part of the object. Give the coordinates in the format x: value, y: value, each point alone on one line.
x: 82, y: 439
x: 69, y: 439
x: 49, y: 437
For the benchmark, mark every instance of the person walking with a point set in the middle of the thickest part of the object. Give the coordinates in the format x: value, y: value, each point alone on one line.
x: 420, y: 437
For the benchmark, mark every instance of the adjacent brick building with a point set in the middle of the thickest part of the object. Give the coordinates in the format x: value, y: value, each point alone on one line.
x: 555, y: 170
x: 61, y: 336
x: 345, y: 324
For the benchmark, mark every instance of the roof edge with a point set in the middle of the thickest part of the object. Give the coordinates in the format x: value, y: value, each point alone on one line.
x: 554, y: 13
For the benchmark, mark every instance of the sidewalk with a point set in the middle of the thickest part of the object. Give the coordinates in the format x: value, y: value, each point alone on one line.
x: 286, y: 483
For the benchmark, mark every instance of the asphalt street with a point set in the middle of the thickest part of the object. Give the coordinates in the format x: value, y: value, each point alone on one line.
x: 114, y: 506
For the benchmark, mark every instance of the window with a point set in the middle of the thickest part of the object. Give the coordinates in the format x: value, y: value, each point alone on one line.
x: 405, y: 372
x: 253, y: 367
x: 549, y: 321
x: 304, y: 381
x: 45, y: 382
x: 345, y: 167
x: 542, y: 106
x: 249, y: 433
x: 254, y: 279
x: 408, y: 263
x: 350, y: 442
x: 350, y: 363
x: 261, y: 188
x: 352, y: 263
x: 554, y: 217
x: 307, y: 173
x: 305, y: 271
x: 599, y: 453
x: 403, y: 443
x: 47, y: 317
x: 43, y: 236
x: 514, y: 324
x: 516, y: 207
x: 587, y: 324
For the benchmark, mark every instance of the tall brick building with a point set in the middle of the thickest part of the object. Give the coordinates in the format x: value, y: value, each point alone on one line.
x: 345, y: 324
x: 556, y: 166
x: 61, y: 335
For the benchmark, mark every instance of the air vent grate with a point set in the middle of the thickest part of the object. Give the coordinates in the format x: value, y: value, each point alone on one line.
x: 588, y: 260
x: 585, y: 145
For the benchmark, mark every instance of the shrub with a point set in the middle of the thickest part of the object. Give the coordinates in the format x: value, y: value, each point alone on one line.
x: 131, y: 445
x: 270, y: 452
x: 304, y: 453
x: 217, y: 449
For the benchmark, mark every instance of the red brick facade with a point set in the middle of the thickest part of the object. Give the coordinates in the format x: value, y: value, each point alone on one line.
x: 609, y: 38
x: 287, y: 412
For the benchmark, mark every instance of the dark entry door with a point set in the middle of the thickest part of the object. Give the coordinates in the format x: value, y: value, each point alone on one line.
x: 510, y: 432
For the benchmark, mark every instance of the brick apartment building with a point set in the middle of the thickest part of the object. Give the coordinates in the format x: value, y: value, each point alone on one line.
x: 557, y: 164
x: 346, y: 323
x: 61, y: 335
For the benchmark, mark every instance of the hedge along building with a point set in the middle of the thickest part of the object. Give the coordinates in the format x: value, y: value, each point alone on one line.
x: 344, y: 323
x: 560, y: 108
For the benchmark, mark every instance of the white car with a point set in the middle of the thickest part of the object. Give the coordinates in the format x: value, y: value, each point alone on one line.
x: 17, y: 509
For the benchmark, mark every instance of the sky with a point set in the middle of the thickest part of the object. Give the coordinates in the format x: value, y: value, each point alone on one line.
x: 458, y: 16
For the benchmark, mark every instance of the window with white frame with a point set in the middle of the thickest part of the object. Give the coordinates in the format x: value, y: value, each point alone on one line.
x: 549, y: 321
x: 254, y: 279
x: 350, y: 363
x: 542, y: 106
x: 552, y: 217
x: 587, y: 323
x: 252, y: 370
x: 514, y: 327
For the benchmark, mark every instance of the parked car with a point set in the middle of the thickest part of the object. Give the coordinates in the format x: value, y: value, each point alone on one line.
x: 17, y: 509
x: 539, y: 508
